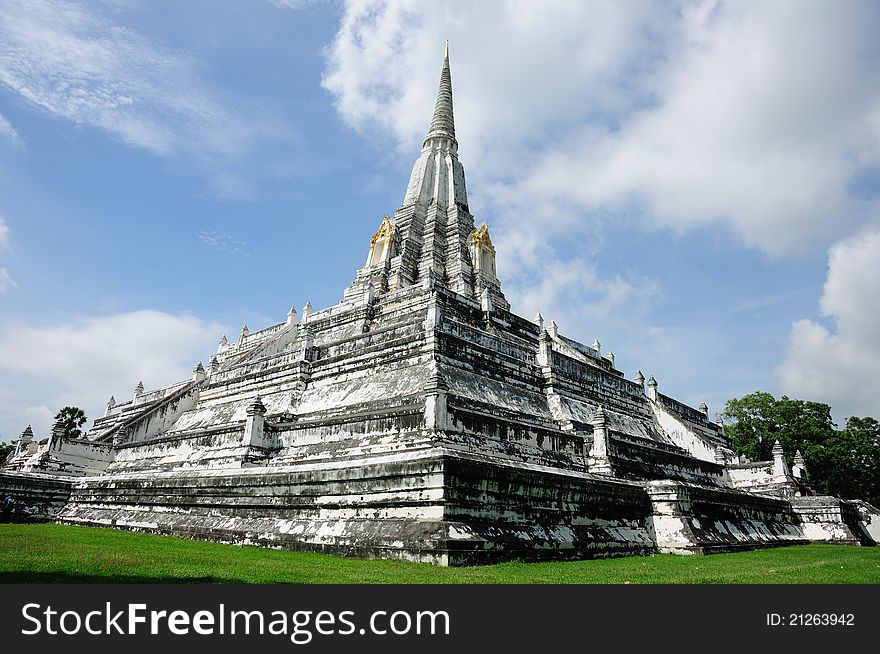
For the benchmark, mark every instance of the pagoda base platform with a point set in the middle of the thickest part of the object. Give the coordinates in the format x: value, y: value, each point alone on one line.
x: 434, y: 506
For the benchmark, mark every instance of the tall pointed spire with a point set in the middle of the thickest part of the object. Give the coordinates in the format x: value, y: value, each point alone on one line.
x: 433, y: 228
x: 443, y: 123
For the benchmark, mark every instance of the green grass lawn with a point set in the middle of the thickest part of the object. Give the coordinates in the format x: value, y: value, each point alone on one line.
x: 56, y: 553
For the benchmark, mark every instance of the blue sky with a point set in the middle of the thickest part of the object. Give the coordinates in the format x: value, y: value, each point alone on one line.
x: 695, y: 184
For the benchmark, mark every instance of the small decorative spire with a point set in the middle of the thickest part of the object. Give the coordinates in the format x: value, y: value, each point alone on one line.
x: 111, y: 402
x: 599, y: 418
x: 256, y: 408
x: 652, y: 388
x: 610, y: 356
x: 245, y: 331
x: 307, y: 311
x: 554, y: 328
x: 799, y: 468
x: 597, y: 346
x: 223, y: 343
x: 291, y: 316
x: 639, y: 378
x: 213, y: 363
x: 539, y: 320
x: 486, y: 301
x: 704, y: 409
x: 27, y: 435
x: 139, y: 389
x: 780, y: 466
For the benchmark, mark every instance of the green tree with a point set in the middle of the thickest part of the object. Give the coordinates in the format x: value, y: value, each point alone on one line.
x: 5, y: 449
x: 844, y: 463
x: 759, y: 420
x: 72, y: 418
x: 849, y: 465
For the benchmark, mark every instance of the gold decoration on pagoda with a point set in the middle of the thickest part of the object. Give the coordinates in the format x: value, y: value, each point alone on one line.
x: 380, y: 244
x: 483, y: 252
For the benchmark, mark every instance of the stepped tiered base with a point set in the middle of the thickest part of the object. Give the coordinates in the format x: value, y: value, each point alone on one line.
x: 434, y: 506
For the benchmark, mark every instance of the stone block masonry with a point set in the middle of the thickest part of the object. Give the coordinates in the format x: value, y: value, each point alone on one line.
x: 831, y: 520
x: 433, y: 507
x: 35, y: 497
x: 436, y: 507
x: 691, y: 519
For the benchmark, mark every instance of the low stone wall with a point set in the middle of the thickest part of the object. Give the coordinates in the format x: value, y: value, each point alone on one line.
x: 761, y: 478
x: 828, y: 519
x: 36, y: 497
x: 215, y: 448
x: 526, y: 512
x: 692, y: 519
x: 437, y: 506
x: 434, y: 507
x: 380, y: 508
x: 688, y: 428
x: 382, y: 431
x: 870, y: 518
x: 77, y: 457
x: 643, y: 459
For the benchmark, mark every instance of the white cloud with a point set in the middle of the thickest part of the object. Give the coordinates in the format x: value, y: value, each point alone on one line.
x: 841, y: 366
x: 86, y: 359
x: 4, y: 233
x: 7, y: 131
x: 81, y: 66
x: 757, y: 115
x: 761, y: 118
x: 585, y: 303
x: 504, y: 95
x: 574, y: 294
x: 16, y: 414
x: 6, y: 281
x: 223, y: 242
x: 297, y: 4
